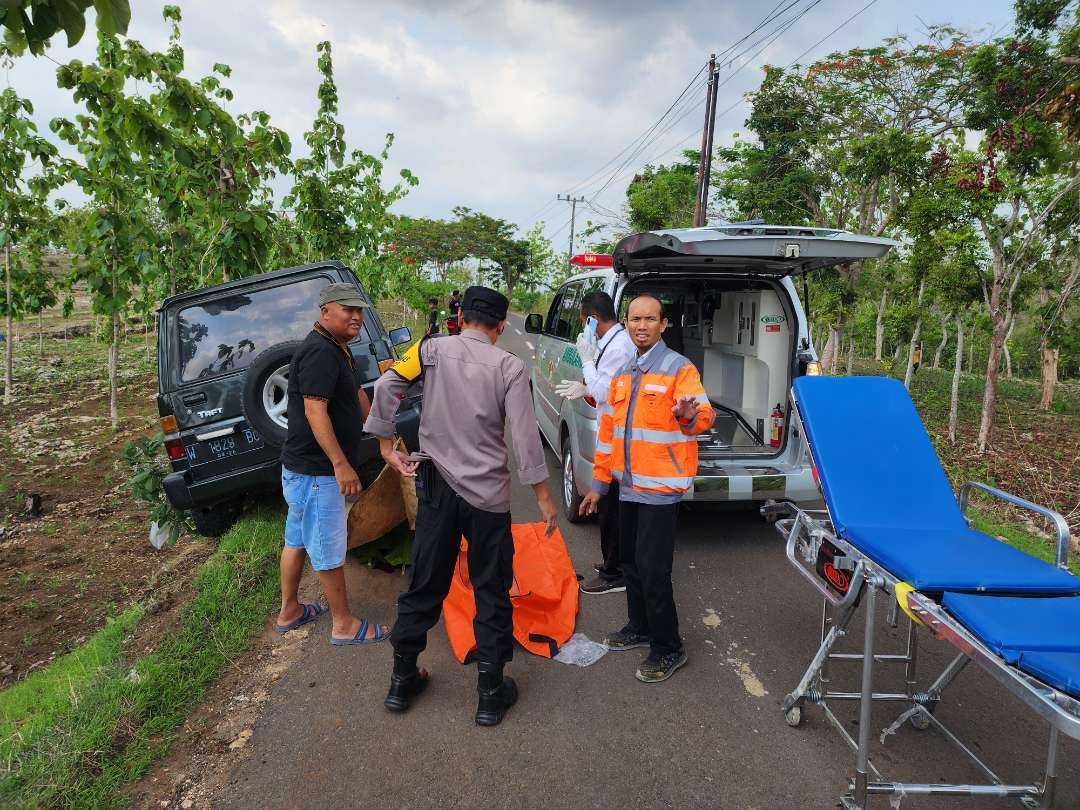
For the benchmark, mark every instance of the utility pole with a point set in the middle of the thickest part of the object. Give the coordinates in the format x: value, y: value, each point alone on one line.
x: 705, y: 163
x: 573, y: 212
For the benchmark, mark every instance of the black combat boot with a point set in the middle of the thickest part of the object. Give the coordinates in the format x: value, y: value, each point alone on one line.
x: 405, y: 683
x: 497, y: 694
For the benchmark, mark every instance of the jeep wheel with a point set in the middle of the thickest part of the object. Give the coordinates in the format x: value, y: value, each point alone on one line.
x: 266, y: 393
x: 214, y: 521
x: 571, y: 497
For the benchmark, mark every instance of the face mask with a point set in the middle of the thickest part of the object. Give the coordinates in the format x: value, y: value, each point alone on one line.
x: 590, y: 327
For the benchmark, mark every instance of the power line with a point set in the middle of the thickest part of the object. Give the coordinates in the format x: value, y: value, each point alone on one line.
x: 773, y: 36
x: 841, y: 25
x: 688, y: 108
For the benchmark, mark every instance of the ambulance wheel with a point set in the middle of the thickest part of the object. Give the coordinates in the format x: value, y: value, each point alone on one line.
x: 571, y: 497
x: 793, y: 716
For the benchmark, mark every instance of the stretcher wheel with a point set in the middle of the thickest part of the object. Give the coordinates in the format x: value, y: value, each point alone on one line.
x: 919, y: 721
x: 793, y: 716
x: 770, y: 517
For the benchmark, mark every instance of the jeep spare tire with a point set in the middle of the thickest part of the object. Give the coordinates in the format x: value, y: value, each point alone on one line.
x: 266, y: 392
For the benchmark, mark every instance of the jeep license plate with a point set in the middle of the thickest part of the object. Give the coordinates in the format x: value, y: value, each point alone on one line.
x: 241, y: 440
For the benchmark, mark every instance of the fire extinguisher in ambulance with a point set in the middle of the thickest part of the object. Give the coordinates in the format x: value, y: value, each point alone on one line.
x: 777, y: 426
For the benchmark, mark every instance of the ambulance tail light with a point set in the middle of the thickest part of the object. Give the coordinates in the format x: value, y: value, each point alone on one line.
x: 813, y: 369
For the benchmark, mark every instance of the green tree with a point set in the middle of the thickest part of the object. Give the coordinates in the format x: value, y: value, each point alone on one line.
x: 1024, y: 149
x: 22, y: 200
x: 29, y: 24
x: 340, y: 205
x: 663, y: 196
x: 111, y: 247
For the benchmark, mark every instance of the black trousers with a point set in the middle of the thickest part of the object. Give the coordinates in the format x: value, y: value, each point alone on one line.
x: 611, y: 568
x: 647, y: 549
x: 442, y: 518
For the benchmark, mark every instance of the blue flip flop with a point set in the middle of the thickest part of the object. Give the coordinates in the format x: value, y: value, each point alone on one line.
x: 359, y: 637
x: 310, y: 614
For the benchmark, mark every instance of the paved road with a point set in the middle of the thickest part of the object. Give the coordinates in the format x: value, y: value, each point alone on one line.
x: 712, y: 737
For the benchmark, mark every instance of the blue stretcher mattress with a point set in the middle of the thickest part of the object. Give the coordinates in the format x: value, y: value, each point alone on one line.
x: 1039, y: 635
x: 1011, y: 626
x: 888, y: 495
x: 1059, y: 669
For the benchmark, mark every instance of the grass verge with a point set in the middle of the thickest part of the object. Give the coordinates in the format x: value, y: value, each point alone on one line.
x: 122, y: 714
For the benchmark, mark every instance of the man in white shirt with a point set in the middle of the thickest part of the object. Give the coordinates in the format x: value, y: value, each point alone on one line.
x: 605, y: 349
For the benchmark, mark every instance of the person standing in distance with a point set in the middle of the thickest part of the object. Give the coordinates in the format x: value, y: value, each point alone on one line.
x: 455, y: 303
x: 433, y: 316
x: 605, y: 350
x: 655, y: 408
x: 471, y: 387
x: 326, y: 411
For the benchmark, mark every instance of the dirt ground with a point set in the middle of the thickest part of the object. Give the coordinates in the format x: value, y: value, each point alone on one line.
x: 87, y: 555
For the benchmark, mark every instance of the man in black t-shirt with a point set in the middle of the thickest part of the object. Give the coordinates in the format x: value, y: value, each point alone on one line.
x: 326, y: 409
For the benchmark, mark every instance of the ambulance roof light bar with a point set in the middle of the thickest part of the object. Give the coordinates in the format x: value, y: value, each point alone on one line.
x: 592, y: 260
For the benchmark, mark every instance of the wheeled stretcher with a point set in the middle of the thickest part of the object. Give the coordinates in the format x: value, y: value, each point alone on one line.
x: 892, y: 527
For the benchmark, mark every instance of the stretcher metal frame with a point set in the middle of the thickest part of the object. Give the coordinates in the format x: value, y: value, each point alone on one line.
x: 805, y: 531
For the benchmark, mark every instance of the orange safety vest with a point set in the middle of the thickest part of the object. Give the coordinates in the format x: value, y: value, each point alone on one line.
x: 544, y: 595
x: 663, y: 455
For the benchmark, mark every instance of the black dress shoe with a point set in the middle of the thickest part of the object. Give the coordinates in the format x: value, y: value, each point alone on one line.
x: 403, y: 688
x: 495, y: 702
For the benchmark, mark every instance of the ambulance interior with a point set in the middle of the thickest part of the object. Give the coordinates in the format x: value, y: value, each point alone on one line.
x: 738, y: 334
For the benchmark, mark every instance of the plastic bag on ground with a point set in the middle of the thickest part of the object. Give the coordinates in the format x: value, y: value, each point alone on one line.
x: 580, y: 651
x: 159, y: 535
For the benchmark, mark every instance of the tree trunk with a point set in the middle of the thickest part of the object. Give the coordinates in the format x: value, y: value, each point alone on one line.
x: 944, y: 339
x: 896, y: 354
x: 1005, y: 348
x: 998, y: 326
x: 971, y: 351
x: 1048, y: 365
x: 879, y: 326
x: 9, y: 337
x: 910, y: 370
x: 851, y: 356
x: 832, y: 349
x: 1048, y: 360
x: 114, y: 355
x: 954, y: 397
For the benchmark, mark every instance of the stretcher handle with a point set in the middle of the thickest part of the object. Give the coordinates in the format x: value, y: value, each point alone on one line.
x: 1060, y: 525
x: 797, y: 526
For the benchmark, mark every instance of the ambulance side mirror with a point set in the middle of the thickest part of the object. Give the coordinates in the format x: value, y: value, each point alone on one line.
x: 534, y: 323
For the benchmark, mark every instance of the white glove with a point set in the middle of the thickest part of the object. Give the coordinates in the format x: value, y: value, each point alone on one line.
x: 571, y: 389
x: 586, y: 349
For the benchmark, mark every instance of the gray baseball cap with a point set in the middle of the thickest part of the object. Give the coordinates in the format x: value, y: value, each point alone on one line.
x: 345, y: 294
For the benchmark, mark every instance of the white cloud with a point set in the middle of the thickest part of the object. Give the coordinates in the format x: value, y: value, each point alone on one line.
x: 496, y: 105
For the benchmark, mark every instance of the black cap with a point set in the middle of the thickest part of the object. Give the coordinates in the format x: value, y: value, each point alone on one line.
x: 486, y: 301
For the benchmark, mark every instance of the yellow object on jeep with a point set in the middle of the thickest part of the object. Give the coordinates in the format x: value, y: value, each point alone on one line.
x: 409, y: 366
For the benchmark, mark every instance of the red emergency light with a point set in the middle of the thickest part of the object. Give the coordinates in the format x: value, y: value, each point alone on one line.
x: 593, y: 260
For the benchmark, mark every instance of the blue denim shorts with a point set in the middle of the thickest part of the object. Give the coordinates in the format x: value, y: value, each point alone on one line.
x: 318, y: 518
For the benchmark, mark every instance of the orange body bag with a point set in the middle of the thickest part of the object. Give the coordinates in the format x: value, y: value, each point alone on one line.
x: 544, y: 595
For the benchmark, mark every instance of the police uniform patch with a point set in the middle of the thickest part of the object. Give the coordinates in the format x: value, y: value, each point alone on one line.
x: 409, y: 367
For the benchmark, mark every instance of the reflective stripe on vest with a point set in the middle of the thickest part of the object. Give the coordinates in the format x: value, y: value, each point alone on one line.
x: 657, y: 436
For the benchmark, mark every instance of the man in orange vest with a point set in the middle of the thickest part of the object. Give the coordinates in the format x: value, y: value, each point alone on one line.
x: 655, y: 408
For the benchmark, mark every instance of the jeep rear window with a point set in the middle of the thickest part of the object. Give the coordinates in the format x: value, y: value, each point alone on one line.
x: 228, y: 333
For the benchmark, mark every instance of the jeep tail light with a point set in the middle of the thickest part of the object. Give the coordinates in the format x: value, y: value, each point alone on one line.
x: 175, y: 449
x: 590, y: 402
x: 168, y: 424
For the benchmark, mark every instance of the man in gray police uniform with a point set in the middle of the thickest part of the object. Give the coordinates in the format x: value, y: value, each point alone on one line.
x: 463, y: 488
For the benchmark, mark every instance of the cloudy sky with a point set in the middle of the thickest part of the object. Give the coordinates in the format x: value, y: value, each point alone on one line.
x: 502, y: 105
